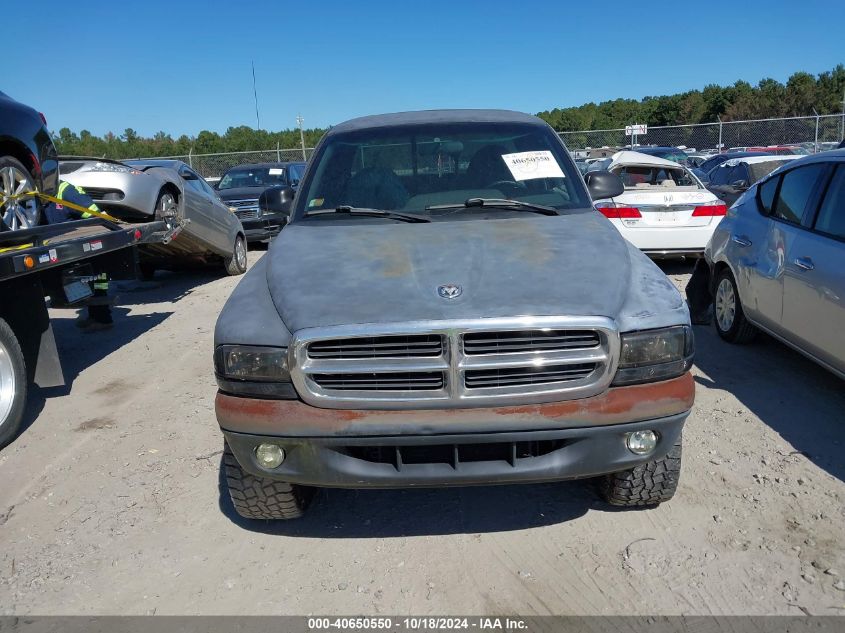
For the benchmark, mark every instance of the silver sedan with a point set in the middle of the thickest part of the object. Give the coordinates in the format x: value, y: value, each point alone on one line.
x: 140, y: 190
x: 777, y: 260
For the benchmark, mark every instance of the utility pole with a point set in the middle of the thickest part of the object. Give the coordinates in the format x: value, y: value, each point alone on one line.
x: 299, y: 122
x: 842, y: 132
x: 255, y: 96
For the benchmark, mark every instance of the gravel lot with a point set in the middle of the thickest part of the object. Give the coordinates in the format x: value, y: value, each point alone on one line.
x: 110, y: 502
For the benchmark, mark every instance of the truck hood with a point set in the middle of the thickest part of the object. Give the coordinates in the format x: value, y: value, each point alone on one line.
x: 240, y: 193
x: 361, y: 271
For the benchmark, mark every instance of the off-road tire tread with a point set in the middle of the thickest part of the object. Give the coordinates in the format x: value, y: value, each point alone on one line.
x: 741, y: 331
x: 262, y: 498
x: 648, y: 484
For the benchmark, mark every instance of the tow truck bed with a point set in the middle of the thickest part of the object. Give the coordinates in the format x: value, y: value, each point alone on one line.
x: 55, y: 261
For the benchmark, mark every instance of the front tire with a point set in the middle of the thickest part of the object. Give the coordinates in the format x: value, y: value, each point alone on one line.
x: 167, y: 207
x: 13, y: 384
x: 731, y: 323
x: 260, y: 497
x: 236, y: 263
x: 15, y: 179
x: 648, y: 484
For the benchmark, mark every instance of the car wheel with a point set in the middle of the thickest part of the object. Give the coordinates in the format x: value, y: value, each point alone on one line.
x: 260, y: 497
x: 167, y: 207
x: 648, y: 484
x: 236, y: 262
x: 13, y: 384
x: 731, y: 323
x: 15, y: 179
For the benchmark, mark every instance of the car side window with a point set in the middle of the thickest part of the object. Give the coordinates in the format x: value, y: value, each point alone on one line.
x: 795, y: 190
x: 766, y: 195
x: 719, y: 175
x: 741, y: 173
x: 831, y: 218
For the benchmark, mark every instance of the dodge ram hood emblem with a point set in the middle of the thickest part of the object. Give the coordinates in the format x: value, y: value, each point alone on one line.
x: 449, y: 291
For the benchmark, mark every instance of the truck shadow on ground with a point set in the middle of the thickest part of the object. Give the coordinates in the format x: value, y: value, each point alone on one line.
x: 165, y: 287
x: 339, y: 513
x: 79, y: 350
x: 792, y: 395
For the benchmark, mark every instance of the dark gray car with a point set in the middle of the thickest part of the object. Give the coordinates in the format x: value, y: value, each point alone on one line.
x: 777, y: 261
x: 446, y: 307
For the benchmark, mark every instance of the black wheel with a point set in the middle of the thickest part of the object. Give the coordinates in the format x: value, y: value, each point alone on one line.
x: 236, y: 263
x: 13, y: 384
x: 167, y: 207
x: 731, y: 323
x: 648, y: 484
x: 262, y: 498
x: 17, y: 213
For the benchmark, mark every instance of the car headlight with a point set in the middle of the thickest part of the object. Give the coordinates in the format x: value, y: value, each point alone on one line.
x: 252, y: 370
x: 113, y: 167
x: 651, y: 355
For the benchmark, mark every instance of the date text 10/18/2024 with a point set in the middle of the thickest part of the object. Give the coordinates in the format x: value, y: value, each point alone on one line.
x: 427, y: 623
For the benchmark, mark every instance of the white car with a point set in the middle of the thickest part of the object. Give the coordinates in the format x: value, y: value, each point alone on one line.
x: 664, y: 210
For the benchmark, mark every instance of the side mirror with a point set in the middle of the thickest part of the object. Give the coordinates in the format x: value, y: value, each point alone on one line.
x: 278, y: 199
x: 603, y: 184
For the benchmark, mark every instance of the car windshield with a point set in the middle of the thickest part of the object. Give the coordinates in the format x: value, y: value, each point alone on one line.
x: 677, y: 156
x: 252, y: 177
x: 413, y: 168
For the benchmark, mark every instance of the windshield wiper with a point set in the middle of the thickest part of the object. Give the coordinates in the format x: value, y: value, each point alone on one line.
x: 372, y: 213
x: 496, y: 203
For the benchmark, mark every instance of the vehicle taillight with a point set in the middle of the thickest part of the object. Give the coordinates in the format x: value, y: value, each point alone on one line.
x: 619, y: 213
x: 710, y: 210
x: 43, y: 118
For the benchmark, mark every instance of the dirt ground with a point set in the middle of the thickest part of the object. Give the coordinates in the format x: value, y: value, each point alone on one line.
x: 110, y: 500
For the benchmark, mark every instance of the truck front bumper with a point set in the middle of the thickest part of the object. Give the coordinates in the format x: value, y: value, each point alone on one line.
x: 383, y: 449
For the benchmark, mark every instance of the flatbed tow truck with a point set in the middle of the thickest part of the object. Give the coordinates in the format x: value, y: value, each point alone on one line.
x: 57, y: 261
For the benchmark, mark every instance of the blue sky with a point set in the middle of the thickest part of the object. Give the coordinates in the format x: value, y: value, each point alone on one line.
x: 183, y: 66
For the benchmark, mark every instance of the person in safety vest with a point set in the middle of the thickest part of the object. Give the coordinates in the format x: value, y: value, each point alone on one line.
x: 99, y: 313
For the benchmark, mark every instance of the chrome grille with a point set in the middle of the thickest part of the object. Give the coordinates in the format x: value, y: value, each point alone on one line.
x: 245, y: 209
x: 509, y: 342
x: 421, y: 345
x: 399, y: 381
x: 515, y: 376
x: 454, y: 364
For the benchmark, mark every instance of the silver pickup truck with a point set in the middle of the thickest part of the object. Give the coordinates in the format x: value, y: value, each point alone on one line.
x: 446, y: 307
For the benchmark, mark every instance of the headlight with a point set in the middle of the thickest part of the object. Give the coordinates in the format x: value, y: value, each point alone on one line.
x: 651, y: 355
x: 246, y: 370
x: 233, y: 209
x: 114, y: 167
x: 243, y: 362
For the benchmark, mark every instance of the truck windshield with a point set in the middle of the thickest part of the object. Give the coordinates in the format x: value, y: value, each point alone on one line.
x: 414, y: 168
x: 252, y: 177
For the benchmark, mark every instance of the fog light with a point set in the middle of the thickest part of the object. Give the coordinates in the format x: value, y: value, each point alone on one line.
x: 642, y: 442
x: 269, y: 455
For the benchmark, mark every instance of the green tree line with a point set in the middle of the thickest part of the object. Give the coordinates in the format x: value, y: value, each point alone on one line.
x: 799, y: 96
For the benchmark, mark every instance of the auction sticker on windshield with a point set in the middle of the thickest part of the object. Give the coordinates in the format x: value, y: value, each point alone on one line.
x: 528, y: 165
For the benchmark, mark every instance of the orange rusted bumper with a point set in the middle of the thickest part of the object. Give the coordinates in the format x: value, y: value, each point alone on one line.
x: 617, y: 405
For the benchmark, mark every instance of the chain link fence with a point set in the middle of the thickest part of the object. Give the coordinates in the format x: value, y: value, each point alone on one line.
x: 810, y: 131
x: 215, y: 165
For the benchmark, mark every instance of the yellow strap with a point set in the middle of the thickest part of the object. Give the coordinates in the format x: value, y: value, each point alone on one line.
x: 54, y: 200
x: 16, y: 248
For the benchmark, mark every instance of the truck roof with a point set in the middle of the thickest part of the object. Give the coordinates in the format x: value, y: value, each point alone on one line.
x: 435, y: 116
